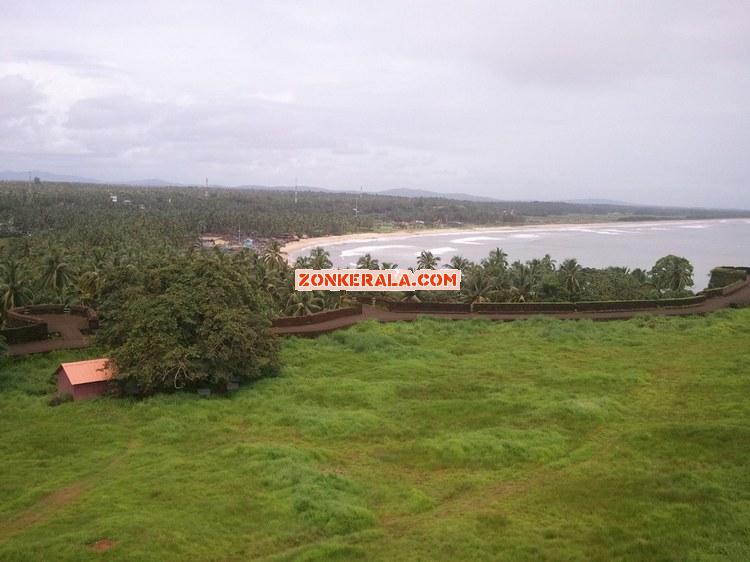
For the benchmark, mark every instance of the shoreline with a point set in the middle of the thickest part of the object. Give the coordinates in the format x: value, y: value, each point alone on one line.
x: 308, y: 243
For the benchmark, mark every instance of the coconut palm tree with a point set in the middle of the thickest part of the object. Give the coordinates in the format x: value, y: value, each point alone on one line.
x: 332, y: 299
x: 522, y: 282
x: 477, y: 287
x: 89, y: 286
x: 427, y: 261
x: 15, y: 289
x: 548, y: 264
x: 640, y: 275
x: 570, y: 271
x: 388, y: 265
x: 273, y: 257
x: 460, y: 262
x: 672, y: 273
x: 56, y: 274
x: 303, y: 262
x: 367, y: 262
x: 100, y: 257
x: 320, y: 259
x: 496, y: 261
x: 302, y: 303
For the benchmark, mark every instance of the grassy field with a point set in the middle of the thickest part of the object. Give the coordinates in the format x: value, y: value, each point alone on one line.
x: 537, y: 440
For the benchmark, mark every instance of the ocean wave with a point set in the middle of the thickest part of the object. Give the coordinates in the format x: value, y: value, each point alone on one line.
x: 439, y: 251
x: 362, y: 250
x: 475, y: 240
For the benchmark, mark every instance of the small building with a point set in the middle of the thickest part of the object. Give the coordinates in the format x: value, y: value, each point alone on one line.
x: 84, y: 379
x: 209, y: 241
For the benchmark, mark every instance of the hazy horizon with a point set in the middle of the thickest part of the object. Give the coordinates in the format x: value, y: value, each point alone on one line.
x: 648, y: 104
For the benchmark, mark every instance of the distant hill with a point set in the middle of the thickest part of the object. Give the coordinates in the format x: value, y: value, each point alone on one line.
x: 406, y: 192
x: 285, y: 188
x: 599, y: 202
x: 8, y: 175
x: 151, y: 182
x: 590, y: 205
x: 395, y: 192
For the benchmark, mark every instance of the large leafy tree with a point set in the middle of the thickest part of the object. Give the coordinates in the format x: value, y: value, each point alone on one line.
x: 191, y: 321
x: 672, y: 274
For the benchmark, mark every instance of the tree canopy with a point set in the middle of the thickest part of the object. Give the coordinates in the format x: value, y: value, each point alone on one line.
x: 192, y: 321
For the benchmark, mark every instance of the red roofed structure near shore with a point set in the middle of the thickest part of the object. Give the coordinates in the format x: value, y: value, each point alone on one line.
x: 84, y: 379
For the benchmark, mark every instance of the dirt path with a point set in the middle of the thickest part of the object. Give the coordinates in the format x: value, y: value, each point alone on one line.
x: 741, y: 297
x: 47, y: 506
x: 43, y: 509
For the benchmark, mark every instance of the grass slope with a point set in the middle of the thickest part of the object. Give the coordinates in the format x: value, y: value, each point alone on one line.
x: 433, y: 440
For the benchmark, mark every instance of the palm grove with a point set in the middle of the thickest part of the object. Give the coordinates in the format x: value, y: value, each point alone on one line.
x: 175, y: 316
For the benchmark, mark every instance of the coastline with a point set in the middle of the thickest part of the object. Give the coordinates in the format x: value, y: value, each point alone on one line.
x: 309, y: 243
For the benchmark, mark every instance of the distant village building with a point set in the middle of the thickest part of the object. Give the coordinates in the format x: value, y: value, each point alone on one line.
x: 84, y: 379
x: 113, y: 198
x: 213, y: 242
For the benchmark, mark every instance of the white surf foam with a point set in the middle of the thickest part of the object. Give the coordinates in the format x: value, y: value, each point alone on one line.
x: 475, y: 240
x: 439, y: 251
x: 362, y: 250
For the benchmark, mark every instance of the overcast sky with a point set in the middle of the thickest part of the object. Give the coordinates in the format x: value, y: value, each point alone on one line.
x: 640, y: 101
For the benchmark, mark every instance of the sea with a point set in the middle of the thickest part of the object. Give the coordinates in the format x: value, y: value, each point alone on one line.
x: 706, y: 243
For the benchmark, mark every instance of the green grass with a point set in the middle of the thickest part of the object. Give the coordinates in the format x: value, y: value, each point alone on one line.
x: 433, y: 440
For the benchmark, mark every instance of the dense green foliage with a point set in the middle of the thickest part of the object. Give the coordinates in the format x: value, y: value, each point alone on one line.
x: 496, y: 280
x: 195, y: 320
x: 672, y: 274
x: 178, y: 212
x: 71, y: 243
x: 537, y: 440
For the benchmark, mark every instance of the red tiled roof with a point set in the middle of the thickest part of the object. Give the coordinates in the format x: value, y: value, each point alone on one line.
x: 82, y: 372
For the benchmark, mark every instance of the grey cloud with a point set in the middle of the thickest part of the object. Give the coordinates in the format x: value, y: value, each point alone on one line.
x: 20, y: 98
x: 23, y: 123
x: 630, y: 100
x: 111, y: 112
x: 81, y: 64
